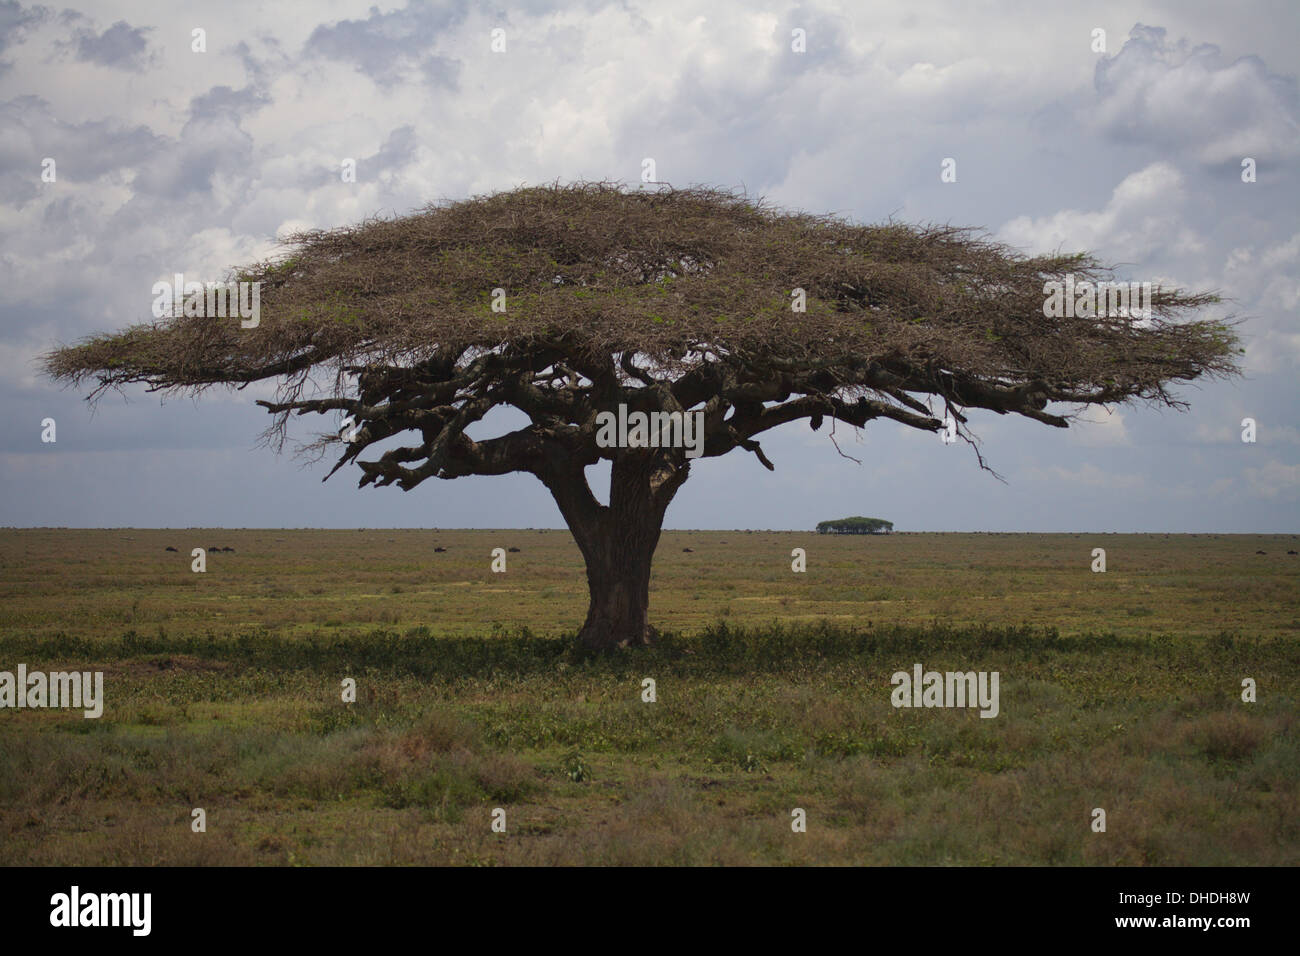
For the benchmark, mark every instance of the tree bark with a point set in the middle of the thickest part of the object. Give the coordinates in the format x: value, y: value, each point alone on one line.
x: 618, y: 579
x: 618, y: 542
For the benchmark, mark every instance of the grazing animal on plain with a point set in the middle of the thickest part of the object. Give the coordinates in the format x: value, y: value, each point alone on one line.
x: 688, y: 549
x: 439, y: 550
x: 513, y: 550
x: 170, y: 548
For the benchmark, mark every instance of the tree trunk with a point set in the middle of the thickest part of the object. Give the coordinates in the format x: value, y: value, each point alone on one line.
x: 618, y: 542
x: 618, y: 578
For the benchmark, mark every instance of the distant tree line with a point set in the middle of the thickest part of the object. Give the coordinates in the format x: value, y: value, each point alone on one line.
x: 855, y: 525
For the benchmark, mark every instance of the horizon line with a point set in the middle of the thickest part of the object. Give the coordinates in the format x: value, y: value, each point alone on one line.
x: 565, y: 529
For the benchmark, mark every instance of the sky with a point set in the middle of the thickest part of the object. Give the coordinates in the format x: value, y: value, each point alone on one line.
x: 1128, y: 144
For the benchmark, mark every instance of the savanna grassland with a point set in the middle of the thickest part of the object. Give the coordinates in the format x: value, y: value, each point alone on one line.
x: 1119, y: 690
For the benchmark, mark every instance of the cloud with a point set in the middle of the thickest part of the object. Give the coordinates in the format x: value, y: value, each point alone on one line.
x: 120, y: 47
x: 1229, y: 433
x: 212, y: 144
x: 1273, y: 480
x: 224, y: 102
x: 83, y: 152
x: 1087, y: 475
x: 15, y: 23
x: 1269, y: 279
x: 1178, y: 97
x: 1100, y: 428
x: 387, y: 47
x: 1142, y: 219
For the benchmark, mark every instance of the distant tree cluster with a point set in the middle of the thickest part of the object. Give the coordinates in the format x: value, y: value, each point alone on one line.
x: 856, y: 525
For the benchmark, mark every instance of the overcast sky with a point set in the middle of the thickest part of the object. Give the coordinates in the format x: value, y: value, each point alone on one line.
x: 169, y: 160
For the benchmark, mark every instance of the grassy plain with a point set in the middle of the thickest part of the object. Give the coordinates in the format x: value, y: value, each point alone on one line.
x: 1119, y: 690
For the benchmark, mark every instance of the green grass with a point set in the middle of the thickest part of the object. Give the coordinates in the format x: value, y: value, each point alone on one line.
x: 223, y: 692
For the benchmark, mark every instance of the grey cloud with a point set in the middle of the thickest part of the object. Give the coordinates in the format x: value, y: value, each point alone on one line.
x: 222, y: 101
x: 1174, y: 96
x: 83, y: 152
x: 396, y: 152
x: 15, y: 20
x: 121, y: 47
x: 264, y: 65
x: 212, y: 141
x: 823, y: 37
x: 188, y: 168
x: 386, y: 45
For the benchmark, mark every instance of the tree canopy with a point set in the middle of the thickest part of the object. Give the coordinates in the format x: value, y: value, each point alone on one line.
x: 662, y: 300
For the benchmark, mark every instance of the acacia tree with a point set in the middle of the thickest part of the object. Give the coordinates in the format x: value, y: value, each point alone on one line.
x: 566, y: 301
